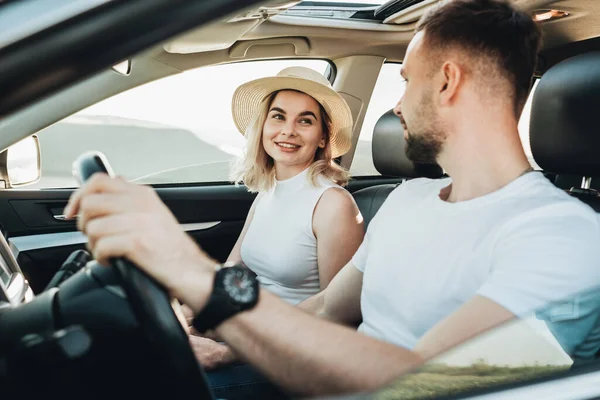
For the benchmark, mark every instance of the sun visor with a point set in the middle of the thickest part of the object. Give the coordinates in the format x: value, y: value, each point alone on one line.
x: 222, y: 34
x: 215, y: 36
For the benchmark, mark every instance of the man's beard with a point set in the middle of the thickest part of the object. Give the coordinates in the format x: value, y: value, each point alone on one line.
x: 425, y: 143
x: 423, y: 148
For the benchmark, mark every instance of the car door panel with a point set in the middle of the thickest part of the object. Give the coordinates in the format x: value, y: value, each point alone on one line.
x: 41, y: 240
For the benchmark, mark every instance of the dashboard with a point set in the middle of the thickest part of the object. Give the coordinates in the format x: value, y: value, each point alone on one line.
x: 14, y: 288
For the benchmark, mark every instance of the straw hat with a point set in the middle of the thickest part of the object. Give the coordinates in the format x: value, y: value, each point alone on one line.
x: 247, y: 98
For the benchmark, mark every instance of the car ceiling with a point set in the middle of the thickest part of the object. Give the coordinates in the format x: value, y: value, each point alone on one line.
x: 337, y: 38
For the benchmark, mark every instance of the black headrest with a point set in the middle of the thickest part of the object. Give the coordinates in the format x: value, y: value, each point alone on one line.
x: 563, y: 129
x: 389, y: 156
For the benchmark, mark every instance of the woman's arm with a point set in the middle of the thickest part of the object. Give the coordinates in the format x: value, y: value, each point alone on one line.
x: 339, y: 229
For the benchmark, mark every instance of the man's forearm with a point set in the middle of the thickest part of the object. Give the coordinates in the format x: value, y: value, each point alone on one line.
x: 314, y: 305
x: 317, y: 306
x: 311, y: 356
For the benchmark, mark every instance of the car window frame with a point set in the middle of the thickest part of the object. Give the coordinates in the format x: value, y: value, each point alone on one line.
x: 379, y: 175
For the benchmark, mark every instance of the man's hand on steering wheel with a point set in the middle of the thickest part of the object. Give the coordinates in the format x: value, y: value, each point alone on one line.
x: 126, y: 220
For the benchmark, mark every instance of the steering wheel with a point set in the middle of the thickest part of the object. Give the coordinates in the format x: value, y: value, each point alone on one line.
x: 151, y: 304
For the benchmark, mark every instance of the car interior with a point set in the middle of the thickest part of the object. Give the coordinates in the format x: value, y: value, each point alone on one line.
x: 356, y: 44
x: 70, y: 329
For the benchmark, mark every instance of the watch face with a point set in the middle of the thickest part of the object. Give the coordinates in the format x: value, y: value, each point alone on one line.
x: 240, y: 284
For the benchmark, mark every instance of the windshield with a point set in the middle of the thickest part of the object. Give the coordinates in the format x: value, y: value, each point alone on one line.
x: 38, y: 15
x: 548, y: 343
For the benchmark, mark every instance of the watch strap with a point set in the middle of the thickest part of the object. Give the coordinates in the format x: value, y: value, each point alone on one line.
x: 214, y: 313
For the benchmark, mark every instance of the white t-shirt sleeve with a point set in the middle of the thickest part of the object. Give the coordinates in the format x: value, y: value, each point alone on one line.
x: 360, y: 257
x: 359, y: 260
x: 544, y: 259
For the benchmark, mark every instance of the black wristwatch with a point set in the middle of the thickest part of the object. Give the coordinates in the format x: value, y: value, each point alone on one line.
x: 235, y: 289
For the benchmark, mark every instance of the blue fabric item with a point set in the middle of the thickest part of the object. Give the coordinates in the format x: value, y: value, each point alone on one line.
x: 575, y: 323
x: 242, y: 381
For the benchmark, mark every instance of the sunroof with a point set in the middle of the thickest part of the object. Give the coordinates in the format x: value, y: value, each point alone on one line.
x: 336, y: 9
x: 393, y: 7
x: 374, y: 10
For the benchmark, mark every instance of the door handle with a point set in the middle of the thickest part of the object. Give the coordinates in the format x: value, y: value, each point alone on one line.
x: 61, y: 217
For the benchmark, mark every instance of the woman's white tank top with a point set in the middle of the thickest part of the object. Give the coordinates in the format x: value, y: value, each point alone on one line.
x: 280, y: 246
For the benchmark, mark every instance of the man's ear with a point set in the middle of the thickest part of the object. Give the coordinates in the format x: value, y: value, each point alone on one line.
x: 452, y: 77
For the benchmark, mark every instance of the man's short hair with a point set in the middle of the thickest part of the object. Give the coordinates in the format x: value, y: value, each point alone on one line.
x: 492, y: 28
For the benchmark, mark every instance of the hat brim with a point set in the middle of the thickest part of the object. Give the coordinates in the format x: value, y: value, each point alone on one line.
x: 248, y: 97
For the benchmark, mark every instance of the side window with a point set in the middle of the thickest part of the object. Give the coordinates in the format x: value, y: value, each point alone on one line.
x: 524, y: 128
x: 388, y: 90
x: 178, y: 129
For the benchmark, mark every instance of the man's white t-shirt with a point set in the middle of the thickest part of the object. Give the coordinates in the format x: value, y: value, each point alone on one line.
x: 522, y: 246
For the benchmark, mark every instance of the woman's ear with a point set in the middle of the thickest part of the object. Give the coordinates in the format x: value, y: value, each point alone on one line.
x: 322, y: 143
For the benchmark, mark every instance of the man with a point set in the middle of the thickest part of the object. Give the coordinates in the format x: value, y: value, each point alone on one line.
x: 442, y: 261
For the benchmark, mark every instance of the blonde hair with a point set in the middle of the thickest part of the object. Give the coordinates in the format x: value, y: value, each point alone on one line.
x: 256, y: 169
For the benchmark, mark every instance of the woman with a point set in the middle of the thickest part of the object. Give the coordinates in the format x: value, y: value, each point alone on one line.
x: 303, y: 227
x: 295, y: 124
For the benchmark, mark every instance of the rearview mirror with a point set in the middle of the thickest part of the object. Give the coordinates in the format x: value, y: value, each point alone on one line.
x: 20, y: 164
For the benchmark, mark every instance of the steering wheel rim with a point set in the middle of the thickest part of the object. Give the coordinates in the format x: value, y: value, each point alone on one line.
x: 151, y: 305
x: 144, y: 293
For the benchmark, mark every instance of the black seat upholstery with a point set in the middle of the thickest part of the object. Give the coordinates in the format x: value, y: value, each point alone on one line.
x: 564, y: 136
x: 570, y: 182
x: 370, y: 199
x: 563, y: 133
x: 390, y: 160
